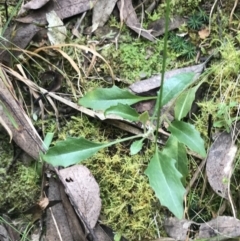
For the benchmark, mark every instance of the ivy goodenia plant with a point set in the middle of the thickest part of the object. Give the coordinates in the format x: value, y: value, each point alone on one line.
x: 167, y: 169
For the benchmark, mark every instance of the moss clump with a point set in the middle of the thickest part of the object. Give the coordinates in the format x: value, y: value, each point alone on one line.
x: 19, y: 189
x: 129, y: 205
x: 19, y: 184
x: 132, y: 61
x: 185, y: 7
x: 223, y: 94
x: 182, y: 47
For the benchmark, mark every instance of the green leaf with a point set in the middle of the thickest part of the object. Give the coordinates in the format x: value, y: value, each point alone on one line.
x: 136, y: 147
x: 144, y: 117
x: 101, y: 99
x: 175, y: 85
x: 48, y: 139
x: 124, y: 111
x: 72, y: 151
x: 117, y: 236
x: 165, y: 180
x: 188, y: 135
x: 184, y: 103
x: 171, y: 148
x: 177, y: 151
x: 182, y: 162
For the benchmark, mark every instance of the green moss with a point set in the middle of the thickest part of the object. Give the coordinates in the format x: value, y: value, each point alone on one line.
x: 185, y: 7
x: 19, y: 184
x: 129, y: 204
x: 182, y: 47
x: 222, y: 78
x: 132, y: 61
x: 19, y: 189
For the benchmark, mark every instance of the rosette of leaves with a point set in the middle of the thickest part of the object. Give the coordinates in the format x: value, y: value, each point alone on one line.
x: 177, y: 43
x: 197, y: 20
x: 182, y: 47
x: 189, y: 51
x: 203, y: 16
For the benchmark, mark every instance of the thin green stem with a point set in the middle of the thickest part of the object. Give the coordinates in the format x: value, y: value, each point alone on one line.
x: 123, y: 140
x: 13, y: 13
x: 159, y: 99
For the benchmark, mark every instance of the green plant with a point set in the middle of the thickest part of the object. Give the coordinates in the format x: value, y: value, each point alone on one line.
x: 195, y: 22
x: 224, y: 115
x: 190, y: 51
x: 203, y: 16
x: 24, y: 234
x: 177, y: 43
x: 167, y: 168
x: 154, y: 16
x: 182, y: 47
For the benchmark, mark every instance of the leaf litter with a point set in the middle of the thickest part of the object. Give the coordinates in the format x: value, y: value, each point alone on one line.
x: 223, y: 148
x: 83, y: 190
x: 220, y: 228
x: 220, y: 162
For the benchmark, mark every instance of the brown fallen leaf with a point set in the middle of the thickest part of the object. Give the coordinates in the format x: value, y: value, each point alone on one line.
x: 63, y: 8
x: 154, y: 82
x: 220, y: 228
x: 204, y: 33
x: 43, y: 203
x: 34, y: 4
x: 219, y: 165
x: 19, y: 34
x: 84, y: 193
x: 158, y: 27
x: 130, y: 18
x: 57, y: 223
x: 13, y: 115
x: 178, y: 229
x: 101, y: 12
x: 12, y: 232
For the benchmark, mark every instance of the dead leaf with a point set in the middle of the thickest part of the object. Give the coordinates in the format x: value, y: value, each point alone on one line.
x: 23, y: 132
x: 222, y: 228
x: 74, y: 223
x: 158, y: 27
x: 17, y: 35
x: 35, y: 4
x: 101, y: 234
x: 4, y: 234
x: 12, y: 232
x: 220, y: 163
x: 130, y: 18
x: 204, y: 33
x: 57, y: 32
x: 4, y: 124
x: 21, y: 33
x: 178, y: 229
x: 57, y: 227
x: 63, y: 8
x: 83, y: 191
x: 154, y: 82
x: 101, y: 12
x: 43, y: 203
